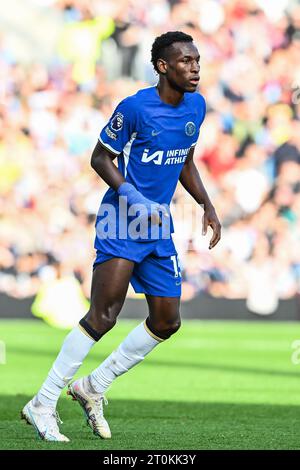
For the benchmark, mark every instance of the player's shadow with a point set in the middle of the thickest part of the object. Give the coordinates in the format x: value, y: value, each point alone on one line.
x: 146, y: 424
x: 94, y: 358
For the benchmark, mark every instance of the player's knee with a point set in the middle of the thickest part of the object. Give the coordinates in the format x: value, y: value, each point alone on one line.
x: 174, y: 327
x: 164, y: 330
x: 101, y: 321
x: 106, y: 320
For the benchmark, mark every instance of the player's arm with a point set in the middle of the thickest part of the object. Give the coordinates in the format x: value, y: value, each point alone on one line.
x: 102, y: 163
x: 191, y: 181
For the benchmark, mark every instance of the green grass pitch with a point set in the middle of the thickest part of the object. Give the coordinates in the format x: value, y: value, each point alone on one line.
x: 214, y: 385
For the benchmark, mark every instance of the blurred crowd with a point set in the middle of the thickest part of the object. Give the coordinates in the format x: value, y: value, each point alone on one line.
x: 248, y: 152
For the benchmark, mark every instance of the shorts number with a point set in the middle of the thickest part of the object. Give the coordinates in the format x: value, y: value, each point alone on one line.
x: 175, y: 264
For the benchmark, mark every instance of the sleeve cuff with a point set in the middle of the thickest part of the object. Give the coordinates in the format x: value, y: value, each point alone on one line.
x: 108, y: 147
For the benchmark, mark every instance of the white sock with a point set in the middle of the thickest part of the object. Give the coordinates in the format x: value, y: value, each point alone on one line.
x: 130, y: 352
x: 73, y: 351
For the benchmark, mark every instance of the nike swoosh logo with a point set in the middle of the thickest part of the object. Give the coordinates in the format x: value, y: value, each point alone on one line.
x: 154, y: 133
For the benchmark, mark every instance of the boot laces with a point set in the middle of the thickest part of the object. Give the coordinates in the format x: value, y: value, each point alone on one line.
x: 99, y: 405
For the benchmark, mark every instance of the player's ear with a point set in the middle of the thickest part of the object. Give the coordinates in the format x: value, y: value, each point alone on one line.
x: 162, y: 66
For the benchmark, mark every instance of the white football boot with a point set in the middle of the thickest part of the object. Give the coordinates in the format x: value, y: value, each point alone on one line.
x: 45, y: 421
x: 92, y: 405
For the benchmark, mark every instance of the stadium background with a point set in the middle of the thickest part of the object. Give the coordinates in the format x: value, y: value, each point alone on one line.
x: 64, y: 65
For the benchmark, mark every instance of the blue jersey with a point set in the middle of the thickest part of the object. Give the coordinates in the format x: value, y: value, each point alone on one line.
x: 152, y: 140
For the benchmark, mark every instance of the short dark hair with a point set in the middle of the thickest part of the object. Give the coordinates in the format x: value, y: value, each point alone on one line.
x: 164, y: 41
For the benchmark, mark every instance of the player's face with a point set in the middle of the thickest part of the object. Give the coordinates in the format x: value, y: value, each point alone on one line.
x: 183, y: 67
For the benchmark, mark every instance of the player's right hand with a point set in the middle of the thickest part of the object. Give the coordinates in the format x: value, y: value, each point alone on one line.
x: 158, y: 211
x: 154, y: 209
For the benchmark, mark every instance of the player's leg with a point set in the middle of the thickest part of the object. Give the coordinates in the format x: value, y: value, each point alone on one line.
x: 162, y: 322
x: 164, y: 315
x: 109, y: 286
x: 89, y: 391
x: 153, y: 275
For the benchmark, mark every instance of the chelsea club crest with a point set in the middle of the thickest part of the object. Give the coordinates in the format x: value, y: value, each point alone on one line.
x: 190, y: 128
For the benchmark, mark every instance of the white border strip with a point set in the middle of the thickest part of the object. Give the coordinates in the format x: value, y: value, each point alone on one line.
x: 127, y: 150
x: 108, y: 147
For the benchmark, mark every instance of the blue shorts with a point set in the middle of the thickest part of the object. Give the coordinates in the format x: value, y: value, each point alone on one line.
x: 156, y: 270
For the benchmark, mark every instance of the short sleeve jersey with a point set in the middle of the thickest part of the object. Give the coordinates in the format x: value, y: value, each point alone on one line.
x: 152, y: 140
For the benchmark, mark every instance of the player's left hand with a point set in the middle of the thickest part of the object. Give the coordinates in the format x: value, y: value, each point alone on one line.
x: 210, y: 219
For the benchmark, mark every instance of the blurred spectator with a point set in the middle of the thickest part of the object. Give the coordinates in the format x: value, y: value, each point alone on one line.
x: 81, y: 37
x: 59, y: 301
x: 248, y: 152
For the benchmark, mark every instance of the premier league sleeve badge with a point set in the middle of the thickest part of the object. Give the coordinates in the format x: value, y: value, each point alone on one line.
x: 116, y: 123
